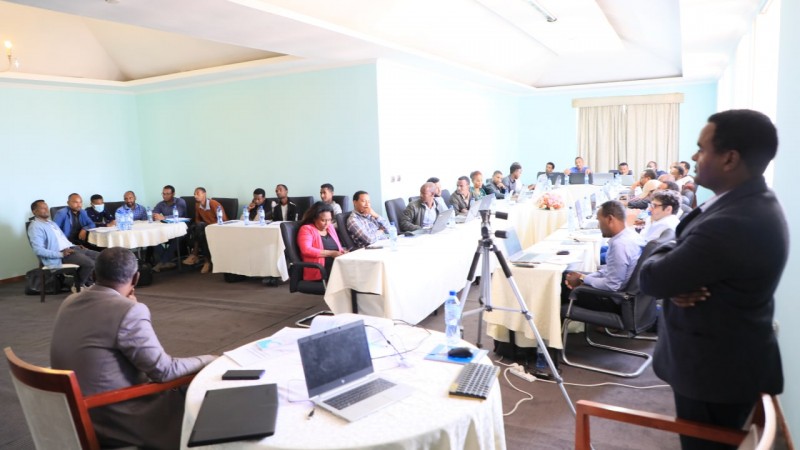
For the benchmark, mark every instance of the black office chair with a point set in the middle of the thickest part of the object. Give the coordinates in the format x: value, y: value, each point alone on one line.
x: 190, y: 205
x: 341, y: 229
x: 230, y: 205
x: 628, y: 310
x: 64, y: 270
x: 113, y: 206
x: 579, y: 178
x: 413, y: 198
x: 446, y: 196
x: 295, y: 265
x: 302, y: 203
x: 345, y: 202
x: 394, y: 208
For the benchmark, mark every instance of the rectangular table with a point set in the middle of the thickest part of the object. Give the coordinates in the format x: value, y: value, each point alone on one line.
x: 251, y: 250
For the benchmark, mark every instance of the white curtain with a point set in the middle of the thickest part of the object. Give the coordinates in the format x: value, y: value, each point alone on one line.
x: 652, y: 135
x: 601, y: 136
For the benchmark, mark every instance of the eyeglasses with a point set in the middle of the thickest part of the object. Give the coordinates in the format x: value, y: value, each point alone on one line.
x: 656, y: 205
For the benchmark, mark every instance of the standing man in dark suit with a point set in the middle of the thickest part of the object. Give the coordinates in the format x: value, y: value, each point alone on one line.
x: 717, y: 347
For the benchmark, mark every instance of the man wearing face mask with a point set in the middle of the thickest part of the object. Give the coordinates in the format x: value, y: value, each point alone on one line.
x: 98, y: 212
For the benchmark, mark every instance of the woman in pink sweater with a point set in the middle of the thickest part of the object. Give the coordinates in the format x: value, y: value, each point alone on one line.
x: 317, y: 240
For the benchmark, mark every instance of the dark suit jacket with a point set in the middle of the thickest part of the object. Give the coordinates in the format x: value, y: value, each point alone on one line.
x: 723, y: 349
x: 291, y: 212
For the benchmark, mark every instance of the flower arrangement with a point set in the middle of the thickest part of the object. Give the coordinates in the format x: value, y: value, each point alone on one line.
x: 550, y: 200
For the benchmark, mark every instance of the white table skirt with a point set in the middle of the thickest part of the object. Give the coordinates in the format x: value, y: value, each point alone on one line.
x: 409, y: 283
x: 251, y: 250
x: 143, y: 234
x: 429, y: 419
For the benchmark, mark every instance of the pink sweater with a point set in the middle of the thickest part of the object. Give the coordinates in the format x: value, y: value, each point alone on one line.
x: 310, y: 243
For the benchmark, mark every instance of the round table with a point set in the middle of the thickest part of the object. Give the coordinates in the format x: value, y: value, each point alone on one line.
x: 143, y: 234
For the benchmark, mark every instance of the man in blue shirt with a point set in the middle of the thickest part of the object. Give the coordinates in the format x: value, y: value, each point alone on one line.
x: 139, y: 211
x: 101, y: 216
x: 53, y: 248
x: 74, y: 221
x: 578, y: 168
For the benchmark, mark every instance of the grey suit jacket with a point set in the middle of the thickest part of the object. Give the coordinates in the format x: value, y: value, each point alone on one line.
x: 724, y: 349
x: 109, y: 342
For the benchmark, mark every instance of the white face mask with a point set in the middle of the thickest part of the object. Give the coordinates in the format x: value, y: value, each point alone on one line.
x: 99, y: 208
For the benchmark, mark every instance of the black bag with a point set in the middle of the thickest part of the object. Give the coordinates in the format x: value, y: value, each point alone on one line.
x: 145, y: 274
x: 54, y: 282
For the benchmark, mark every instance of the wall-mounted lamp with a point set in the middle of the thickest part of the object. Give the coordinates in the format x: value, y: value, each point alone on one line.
x: 12, y: 62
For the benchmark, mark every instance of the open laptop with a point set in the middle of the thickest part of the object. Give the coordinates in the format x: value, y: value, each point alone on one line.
x: 514, y: 252
x: 601, y: 178
x: 439, y: 225
x: 626, y: 180
x: 339, y: 373
x: 585, y: 220
x: 475, y: 209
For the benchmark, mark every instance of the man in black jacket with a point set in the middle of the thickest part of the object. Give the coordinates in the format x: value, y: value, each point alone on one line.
x: 717, y: 348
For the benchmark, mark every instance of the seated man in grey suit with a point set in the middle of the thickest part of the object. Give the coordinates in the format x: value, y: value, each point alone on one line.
x: 422, y: 212
x: 107, y: 338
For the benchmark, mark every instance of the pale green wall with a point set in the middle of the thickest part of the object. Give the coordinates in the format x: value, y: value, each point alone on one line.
x: 786, y: 164
x: 55, y: 142
x: 433, y: 125
x: 301, y: 130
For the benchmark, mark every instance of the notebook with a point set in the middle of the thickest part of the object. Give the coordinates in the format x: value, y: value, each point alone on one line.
x: 236, y: 414
x: 339, y: 373
x: 439, y: 225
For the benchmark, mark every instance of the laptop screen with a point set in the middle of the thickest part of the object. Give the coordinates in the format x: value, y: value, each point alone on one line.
x: 511, y: 243
x: 335, y: 357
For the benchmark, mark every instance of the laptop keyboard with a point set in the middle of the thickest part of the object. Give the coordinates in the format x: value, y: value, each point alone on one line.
x: 359, y: 393
x: 527, y: 257
x: 475, y: 380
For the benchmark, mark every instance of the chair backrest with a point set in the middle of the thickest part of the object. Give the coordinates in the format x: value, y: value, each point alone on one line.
x: 446, y: 196
x: 302, y: 203
x: 53, y: 406
x: 230, y: 205
x: 190, y: 205
x: 579, y: 178
x: 394, y: 208
x: 291, y: 252
x: 345, y: 202
x: 413, y: 198
x: 54, y: 210
x: 112, y: 206
x: 341, y: 230
x: 554, y: 177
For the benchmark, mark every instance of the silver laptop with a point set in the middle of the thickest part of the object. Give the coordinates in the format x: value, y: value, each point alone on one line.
x: 626, y: 180
x: 439, y: 225
x: 339, y: 373
x: 475, y: 209
x: 601, y: 178
x: 585, y: 220
x: 514, y: 252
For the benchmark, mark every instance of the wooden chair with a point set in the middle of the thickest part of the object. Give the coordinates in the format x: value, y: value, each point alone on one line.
x: 759, y: 433
x: 57, y: 412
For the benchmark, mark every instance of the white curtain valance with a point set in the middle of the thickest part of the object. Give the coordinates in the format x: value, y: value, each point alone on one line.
x: 627, y: 100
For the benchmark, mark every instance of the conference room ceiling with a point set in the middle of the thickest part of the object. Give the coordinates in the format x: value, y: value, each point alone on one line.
x: 509, y: 40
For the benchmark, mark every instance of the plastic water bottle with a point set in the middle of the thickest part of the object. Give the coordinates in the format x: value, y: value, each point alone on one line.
x: 262, y: 216
x: 219, y: 215
x: 541, y: 361
x: 566, y: 179
x: 452, y: 313
x: 572, y: 224
x: 393, y: 236
x: 175, y: 213
x: 245, y: 216
x: 149, y: 215
x: 451, y: 222
x: 585, y: 178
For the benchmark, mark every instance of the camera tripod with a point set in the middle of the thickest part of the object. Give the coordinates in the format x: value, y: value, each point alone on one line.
x: 486, y: 247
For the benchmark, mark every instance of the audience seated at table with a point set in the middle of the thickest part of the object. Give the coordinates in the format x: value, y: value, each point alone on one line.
x: 461, y: 198
x: 130, y: 205
x: 318, y: 241
x: 437, y: 194
x: 652, y: 165
x: 285, y: 209
x: 75, y: 222
x: 624, y: 247
x: 495, y: 186
x: 623, y: 169
x: 422, y: 212
x: 259, y: 198
x: 364, y: 224
x: 165, y: 253
x: 579, y: 167
x: 642, y: 188
x: 326, y: 196
x: 512, y: 182
x: 106, y: 336
x: 664, y: 208
x: 52, y: 247
x: 97, y: 211
x: 478, y: 191
x: 205, y: 213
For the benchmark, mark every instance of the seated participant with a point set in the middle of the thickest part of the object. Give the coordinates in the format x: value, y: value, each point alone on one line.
x: 642, y: 188
x: 624, y: 249
x: 462, y: 198
x: 259, y: 198
x: 318, y: 241
x: 652, y: 165
x: 205, y: 213
x: 364, y: 224
x: 578, y: 168
x: 437, y: 195
x: 512, y: 182
x: 326, y: 196
x: 98, y: 212
x: 495, y: 186
x: 75, y: 222
x: 422, y: 212
x: 663, y: 214
x: 130, y: 205
x: 285, y: 209
x: 623, y: 169
x: 107, y: 338
x: 549, y: 168
x: 53, y: 248
x: 477, y: 190
x: 163, y: 209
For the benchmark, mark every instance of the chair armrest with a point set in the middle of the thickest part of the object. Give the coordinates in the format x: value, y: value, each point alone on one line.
x: 586, y: 289
x: 585, y: 409
x: 311, y: 265
x: 140, y: 390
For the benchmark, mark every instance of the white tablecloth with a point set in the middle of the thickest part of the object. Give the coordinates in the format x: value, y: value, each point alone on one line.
x: 409, y: 283
x: 540, y: 288
x: 143, y: 234
x: 429, y: 419
x: 252, y: 250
